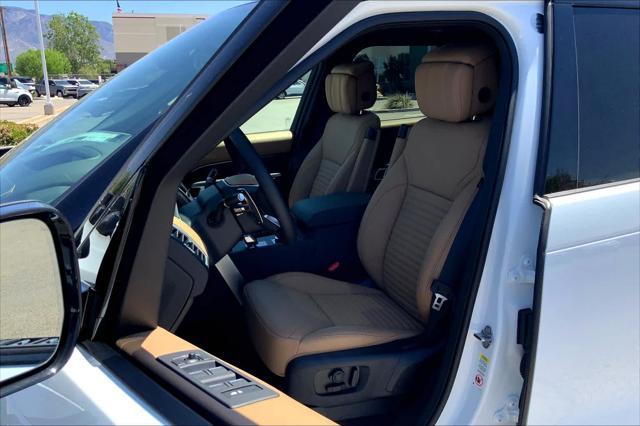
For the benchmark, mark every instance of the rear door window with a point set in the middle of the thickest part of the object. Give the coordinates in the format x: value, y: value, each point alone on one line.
x: 594, y: 133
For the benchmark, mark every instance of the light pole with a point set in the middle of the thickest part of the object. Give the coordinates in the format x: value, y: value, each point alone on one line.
x: 48, y: 106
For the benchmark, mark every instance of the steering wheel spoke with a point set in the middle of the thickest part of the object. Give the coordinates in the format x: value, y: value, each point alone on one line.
x: 246, y: 151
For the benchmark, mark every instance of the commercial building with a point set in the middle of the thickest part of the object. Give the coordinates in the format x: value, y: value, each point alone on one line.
x: 136, y: 34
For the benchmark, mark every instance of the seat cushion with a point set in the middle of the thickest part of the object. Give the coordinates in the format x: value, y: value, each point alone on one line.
x: 295, y: 314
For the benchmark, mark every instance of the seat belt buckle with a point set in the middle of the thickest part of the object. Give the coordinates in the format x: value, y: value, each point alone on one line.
x: 441, y: 294
x: 438, y: 301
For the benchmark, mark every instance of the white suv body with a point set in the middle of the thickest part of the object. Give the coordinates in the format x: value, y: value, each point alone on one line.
x: 12, y: 95
x: 571, y: 255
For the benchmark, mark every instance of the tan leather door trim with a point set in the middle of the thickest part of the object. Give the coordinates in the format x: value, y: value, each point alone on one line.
x: 282, y: 410
x: 266, y: 143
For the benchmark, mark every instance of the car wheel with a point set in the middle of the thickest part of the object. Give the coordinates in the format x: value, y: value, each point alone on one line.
x: 282, y: 95
x: 24, y: 101
x: 37, y: 93
x: 59, y: 94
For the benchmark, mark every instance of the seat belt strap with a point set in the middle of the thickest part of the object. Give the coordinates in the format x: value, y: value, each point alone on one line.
x: 398, y: 149
x: 399, y: 144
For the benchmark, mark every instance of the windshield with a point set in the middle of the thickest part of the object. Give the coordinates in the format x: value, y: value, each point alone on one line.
x: 119, y: 113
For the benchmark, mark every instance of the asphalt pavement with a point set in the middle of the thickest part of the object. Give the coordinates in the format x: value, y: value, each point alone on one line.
x: 34, y: 113
x: 30, y: 290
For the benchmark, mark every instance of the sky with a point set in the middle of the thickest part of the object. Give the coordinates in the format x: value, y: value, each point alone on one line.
x: 101, y: 10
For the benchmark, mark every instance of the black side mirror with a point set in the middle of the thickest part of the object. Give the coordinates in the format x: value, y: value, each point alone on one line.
x: 40, y: 307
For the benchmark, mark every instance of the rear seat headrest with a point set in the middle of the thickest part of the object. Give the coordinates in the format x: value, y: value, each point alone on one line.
x: 351, y: 87
x: 456, y: 82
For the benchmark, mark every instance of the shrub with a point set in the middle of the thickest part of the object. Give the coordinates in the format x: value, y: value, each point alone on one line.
x: 14, y: 133
x: 398, y: 101
x: 30, y: 63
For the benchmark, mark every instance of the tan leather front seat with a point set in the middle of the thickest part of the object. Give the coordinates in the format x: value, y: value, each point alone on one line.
x: 406, y: 232
x: 340, y: 161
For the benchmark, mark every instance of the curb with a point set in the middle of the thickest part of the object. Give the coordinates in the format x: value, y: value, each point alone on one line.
x: 40, y: 120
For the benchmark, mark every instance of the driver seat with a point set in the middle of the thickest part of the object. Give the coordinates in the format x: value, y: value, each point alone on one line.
x: 341, y: 161
x: 405, y: 234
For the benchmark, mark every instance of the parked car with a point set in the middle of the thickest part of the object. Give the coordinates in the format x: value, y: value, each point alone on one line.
x: 11, y: 93
x: 58, y: 87
x: 155, y: 271
x: 28, y: 83
x: 84, y: 86
x: 25, y: 86
x: 296, y: 89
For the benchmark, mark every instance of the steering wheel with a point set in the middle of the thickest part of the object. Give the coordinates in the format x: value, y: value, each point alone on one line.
x: 245, y: 149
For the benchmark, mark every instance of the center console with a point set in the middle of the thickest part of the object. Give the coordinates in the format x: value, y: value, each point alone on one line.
x: 235, y: 218
x: 327, y: 241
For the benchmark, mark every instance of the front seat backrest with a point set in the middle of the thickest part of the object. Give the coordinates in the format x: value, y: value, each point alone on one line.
x: 340, y: 161
x: 414, y: 214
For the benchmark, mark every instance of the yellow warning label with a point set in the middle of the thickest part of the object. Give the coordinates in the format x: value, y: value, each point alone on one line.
x: 484, y: 358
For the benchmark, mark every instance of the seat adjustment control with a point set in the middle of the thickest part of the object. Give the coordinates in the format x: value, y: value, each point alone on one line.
x: 337, y: 380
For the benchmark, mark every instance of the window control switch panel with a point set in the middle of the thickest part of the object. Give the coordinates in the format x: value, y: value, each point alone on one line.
x: 218, y: 379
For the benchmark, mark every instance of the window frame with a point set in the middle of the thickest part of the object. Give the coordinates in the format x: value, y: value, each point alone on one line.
x: 557, y: 15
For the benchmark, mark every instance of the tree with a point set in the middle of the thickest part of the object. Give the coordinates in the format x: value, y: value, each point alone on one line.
x: 396, y: 71
x: 29, y: 63
x: 76, y: 37
x: 103, y: 66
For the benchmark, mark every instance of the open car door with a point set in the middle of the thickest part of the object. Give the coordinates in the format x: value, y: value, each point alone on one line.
x: 585, y: 360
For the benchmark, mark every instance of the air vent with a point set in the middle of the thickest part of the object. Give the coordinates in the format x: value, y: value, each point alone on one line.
x: 190, y: 245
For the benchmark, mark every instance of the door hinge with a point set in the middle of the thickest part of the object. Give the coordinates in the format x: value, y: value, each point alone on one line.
x: 524, y: 273
x: 509, y: 412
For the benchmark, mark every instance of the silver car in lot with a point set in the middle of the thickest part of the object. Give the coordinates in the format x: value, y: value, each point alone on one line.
x: 83, y: 85
x: 60, y: 88
x: 296, y: 89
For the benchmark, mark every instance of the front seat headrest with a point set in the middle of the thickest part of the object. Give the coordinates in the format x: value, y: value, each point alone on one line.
x: 456, y: 82
x: 351, y: 87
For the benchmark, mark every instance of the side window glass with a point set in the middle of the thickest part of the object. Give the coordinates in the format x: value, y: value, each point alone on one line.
x: 395, y: 68
x: 594, y: 133
x: 278, y: 114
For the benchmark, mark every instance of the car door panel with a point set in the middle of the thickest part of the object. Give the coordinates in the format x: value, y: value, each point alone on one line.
x: 273, y: 147
x: 586, y: 366
x: 147, y: 347
x: 269, y: 143
x: 585, y: 349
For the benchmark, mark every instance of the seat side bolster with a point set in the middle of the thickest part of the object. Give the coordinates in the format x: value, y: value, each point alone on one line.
x: 355, y: 128
x: 379, y: 219
x: 302, y: 183
x: 441, y: 243
x: 359, y: 179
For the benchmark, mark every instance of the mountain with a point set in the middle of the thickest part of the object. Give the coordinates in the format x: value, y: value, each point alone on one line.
x: 23, y: 35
